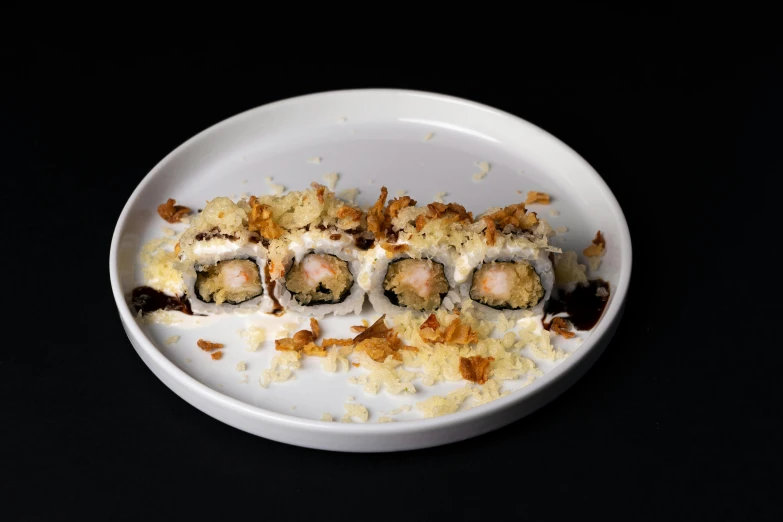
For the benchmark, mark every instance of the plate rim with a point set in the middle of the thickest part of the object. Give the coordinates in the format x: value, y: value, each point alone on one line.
x: 536, y: 388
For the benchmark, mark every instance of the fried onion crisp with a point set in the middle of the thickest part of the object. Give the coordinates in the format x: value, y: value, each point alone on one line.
x: 171, y: 212
x: 328, y: 343
x: 393, y: 249
x: 378, y: 349
x: 491, y: 231
x: 315, y: 328
x: 260, y: 220
x: 350, y: 213
x: 598, y: 246
x: 475, y: 368
x: 451, y: 213
x: 358, y: 329
x: 537, y: 197
x: 314, y: 349
x: 455, y: 333
x: 377, y: 330
x: 377, y: 220
x: 216, y: 356
x: 207, y: 346
x: 430, y: 322
x: 398, y: 204
x: 561, y: 327
x: 303, y: 341
x: 515, y: 215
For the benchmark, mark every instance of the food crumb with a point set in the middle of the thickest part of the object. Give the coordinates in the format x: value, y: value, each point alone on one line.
x: 429, y: 136
x: 342, y: 119
x: 244, y: 182
x: 484, y: 168
x: 314, y: 160
x: 331, y: 180
x: 349, y: 195
x: 475, y: 368
x: 355, y: 411
x: 595, y: 251
x: 561, y: 327
x: 561, y: 230
x: 274, y: 187
x: 326, y: 417
x: 171, y: 212
x: 244, y: 379
x: 537, y: 197
x: 439, y: 196
x: 188, y: 360
x: 216, y: 356
x: 385, y: 419
x: 241, y: 366
x: 554, y: 213
x: 207, y: 346
x: 293, y: 407
x: 174, y: 338
x: 350, y: 398
x: 254, y: 337
x: 168, y: 231
x: 401, y: 193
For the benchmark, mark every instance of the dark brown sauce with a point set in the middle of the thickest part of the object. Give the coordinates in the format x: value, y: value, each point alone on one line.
x: 148, y: 300
x: 277, y: 308
x: 583, y: 305
x: 335, y: 237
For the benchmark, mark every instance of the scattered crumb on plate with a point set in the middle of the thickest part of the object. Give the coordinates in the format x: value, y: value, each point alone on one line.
x: 429, y: 136
x: 385, y: 419
x: 342, y: 119
x: 254, y: 337
x: 350, y: 398
x: 350, y: 195
x: 561, y: 230
x: 439, y: 197
x: 244, y: 182
x: 401, y: 193
x: 537, y: 197
x: 326, y: 417
x: 484, y: 168
x: 355, y: 411
x: 188, y: 360
x: 315, y: 160
x: 241, y: 366
x: 168, y: 231
x: 554, y: 213
x: 274, y: 187
x: 216, y: 356
x: 171, y: 340
x: 244, y: 379
x: 331, y: 180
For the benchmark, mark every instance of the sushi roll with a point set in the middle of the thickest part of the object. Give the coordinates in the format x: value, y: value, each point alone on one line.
x: 222, y: 263
x: 511, y: 280
x: 418, y: 281
x: 321, y: 275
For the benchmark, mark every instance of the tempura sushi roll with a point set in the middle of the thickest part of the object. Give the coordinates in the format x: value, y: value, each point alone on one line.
x: 222, y: 263
x: 419, y: 281
x: 511, y: 280
x: 321, y: 275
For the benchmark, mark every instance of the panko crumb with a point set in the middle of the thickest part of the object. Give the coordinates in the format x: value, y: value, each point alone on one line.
x: 315, y: 160
x: 439, y: 197
x: 355, y: 411
x: 274, y: 187
x: 281, y: 368
x: 216, y: 356
x: 484, y: 168
x: 401, y: 193
x: 245, y: 379
x: 241, y: 366
x: 174, y: 338
x: 349, y: 195
x: 595, y: 251
x: 429, y: 136
x: 534, y: 197
x: 386, y: 419
x: 254, y: 337
x: 331, y: 180
x: 326, y: 417
x: 561, y: 230
x: 554, y: 213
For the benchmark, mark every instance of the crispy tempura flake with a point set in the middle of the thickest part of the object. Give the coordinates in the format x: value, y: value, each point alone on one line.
x: 475, y: 368
x: 393, y: 249
x: 260, y: 220
x: 452, y: 213
x: 303, y: 341
x: 378, y: 349
x: 171, y: 212
x: 208, y: 346
x: 377, y: 330
x: 537, y: 197
x: 561, y: 327
x: 515, y: 215
x: 316, y: 329
x: 350, y: 213
x: 328, y: 343
x: 455, y: 333
x: 598, y: 246
x: 216, y: 356
x: 378, y: 221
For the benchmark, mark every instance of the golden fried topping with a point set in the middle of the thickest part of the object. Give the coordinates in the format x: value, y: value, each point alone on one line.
x: 316, y: 329
x: 207, y: 346
x: 260, y: 220
x: 475, y: 368
x: 378, y: 349
x: 393, y: 249
x: 319, y: 192
x: 431, y: 322
x: 377, y: 330
x: 337, y: 342
x: 358, y: 329
x: 598, y: 246
x: 216, y: 355
x: 455, y: 333
x: 537, y: 197
x: 451, y: 213
x: 561, y: 327
x: 398, y: 204
x: 491, y: 232
x: 378, y: 221
x: 515, y: 215
x: 353, y: 214
x: 171, y: 212
x: 314, y: 349
x: 303, y: 341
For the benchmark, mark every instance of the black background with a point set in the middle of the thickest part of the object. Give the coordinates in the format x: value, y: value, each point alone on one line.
x: 677, y: 420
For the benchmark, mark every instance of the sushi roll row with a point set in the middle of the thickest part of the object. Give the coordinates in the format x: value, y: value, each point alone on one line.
x: 311, y: 253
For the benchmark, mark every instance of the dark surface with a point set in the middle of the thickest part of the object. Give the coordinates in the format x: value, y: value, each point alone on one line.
x: 677, y: 420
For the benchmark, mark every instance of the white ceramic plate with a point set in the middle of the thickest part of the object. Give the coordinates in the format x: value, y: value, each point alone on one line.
x: 371, y: 138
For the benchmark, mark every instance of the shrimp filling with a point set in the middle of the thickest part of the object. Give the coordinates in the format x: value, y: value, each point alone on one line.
x: 319, y: 279
x: 419, y: 284
x: 234, y: 281
x: 507, y: 285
